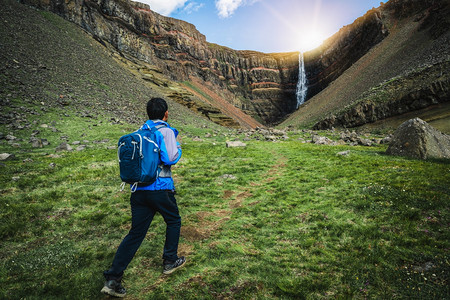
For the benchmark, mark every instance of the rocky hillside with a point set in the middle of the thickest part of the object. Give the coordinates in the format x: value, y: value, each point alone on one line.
x: 248, y: 88
x: 405, y: 70
x: 262, y: 85
x: 49, y: 64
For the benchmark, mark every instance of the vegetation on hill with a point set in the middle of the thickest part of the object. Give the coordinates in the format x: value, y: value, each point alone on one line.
x: 271, y: 220
x: 424, y: 88
x: 51, y: 61
x: 414, y: 44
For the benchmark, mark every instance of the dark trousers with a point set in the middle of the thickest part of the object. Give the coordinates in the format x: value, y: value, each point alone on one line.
x: 144, y: 205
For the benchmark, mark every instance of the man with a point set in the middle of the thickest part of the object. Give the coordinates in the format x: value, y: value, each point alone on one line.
x: 147, y: 200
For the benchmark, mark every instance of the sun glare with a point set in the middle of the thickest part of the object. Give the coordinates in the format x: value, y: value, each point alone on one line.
x: 304, y: 29
x: 309, y: 40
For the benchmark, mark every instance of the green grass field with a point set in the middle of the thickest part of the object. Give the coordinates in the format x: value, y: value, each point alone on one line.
x: 268, y: 221
x: 283, y: 220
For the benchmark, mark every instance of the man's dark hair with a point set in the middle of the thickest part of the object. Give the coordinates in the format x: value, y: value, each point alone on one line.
x: 156, y: 108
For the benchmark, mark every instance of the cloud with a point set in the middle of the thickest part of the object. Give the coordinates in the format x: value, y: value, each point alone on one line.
x: 227, y: 7
x: 192, y: 7
x: 164, y: 7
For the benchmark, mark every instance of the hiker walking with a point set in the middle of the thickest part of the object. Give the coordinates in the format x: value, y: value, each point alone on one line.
x: 147, y: 200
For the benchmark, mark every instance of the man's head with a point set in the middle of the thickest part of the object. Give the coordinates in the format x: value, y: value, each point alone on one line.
x: 157, y: 109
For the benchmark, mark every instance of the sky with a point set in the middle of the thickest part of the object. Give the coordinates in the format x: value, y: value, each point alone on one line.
x: 265, y: 25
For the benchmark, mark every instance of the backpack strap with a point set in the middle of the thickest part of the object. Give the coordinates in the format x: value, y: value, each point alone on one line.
x: 161, y: 125
x: 154, y: 129
x: 163, y: 171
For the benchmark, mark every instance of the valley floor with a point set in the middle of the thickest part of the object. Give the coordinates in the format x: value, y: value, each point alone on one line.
x: 268, y: 221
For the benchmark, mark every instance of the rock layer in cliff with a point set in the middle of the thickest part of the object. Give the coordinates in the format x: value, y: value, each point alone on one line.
x: 406, y: 71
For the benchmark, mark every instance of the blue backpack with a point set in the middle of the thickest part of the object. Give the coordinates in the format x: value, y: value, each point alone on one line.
x: 138, y: 155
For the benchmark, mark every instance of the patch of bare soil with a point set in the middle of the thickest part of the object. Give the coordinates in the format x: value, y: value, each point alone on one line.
x: 239, y: 198
x: 227, y: 194
x: 275, y: 170
x: 225, y: 107
x: 211, y: 221
x: 206, y: 225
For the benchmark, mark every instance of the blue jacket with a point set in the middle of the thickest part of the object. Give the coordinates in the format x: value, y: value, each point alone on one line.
x: 170, y: 154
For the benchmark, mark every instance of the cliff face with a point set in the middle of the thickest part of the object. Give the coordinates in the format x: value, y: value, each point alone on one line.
x: 263, y: 84
x: 339, y: 52
x: 417, y: 90
x: 388, y: 63
x: 326, y: 63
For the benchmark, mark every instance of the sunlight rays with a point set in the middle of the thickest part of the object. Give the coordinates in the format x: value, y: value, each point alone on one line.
x: 304, y: 33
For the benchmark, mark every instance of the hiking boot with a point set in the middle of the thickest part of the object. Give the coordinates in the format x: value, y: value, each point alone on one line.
x: 114, y: 288
x: 171, y: 266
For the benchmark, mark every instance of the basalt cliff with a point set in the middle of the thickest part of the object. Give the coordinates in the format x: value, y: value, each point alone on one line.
x: 389, y: 64
x: 261, y: 85
x: 237, y: 88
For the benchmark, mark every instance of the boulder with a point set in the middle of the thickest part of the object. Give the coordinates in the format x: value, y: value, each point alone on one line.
x: 278, y: 132
x: 386, y: 140
x: 364, y: 142
x: 349, y: 137
x: 415, y: 138
x: 5, y: 156
x: 64, y: 147
x: 36, y: 143
x: 322, y: 140
x: 270, y: 138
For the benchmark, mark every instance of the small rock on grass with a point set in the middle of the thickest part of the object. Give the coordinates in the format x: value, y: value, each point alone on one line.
x: 233, y: 144
x: 228, y: 176
x: 344, y: 153
x: 5, y: 156
x: 64, y: 147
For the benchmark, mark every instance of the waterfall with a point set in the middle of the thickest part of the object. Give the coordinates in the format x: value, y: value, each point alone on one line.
x: 301, y: 84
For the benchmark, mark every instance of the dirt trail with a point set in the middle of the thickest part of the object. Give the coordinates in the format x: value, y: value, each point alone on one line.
x: 210, y: 221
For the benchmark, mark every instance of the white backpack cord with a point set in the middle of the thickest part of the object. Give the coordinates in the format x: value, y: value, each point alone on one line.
x: 122, y: 186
